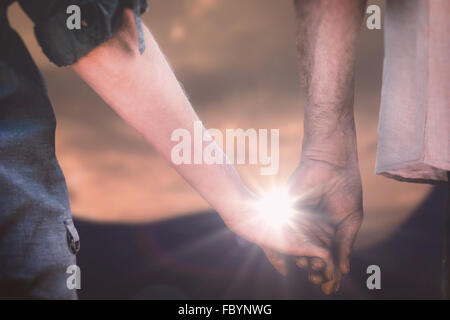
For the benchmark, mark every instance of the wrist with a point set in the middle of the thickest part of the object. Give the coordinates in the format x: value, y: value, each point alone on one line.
x: 234, y: 209
x: 334, y: 144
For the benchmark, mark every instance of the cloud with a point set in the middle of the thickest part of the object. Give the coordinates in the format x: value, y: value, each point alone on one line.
x: 237, y: 61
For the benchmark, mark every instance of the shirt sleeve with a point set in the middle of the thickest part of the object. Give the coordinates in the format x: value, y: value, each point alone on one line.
x: 99, y: 20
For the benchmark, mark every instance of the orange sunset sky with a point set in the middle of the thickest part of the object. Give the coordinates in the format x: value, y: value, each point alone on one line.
x: 237, y: 62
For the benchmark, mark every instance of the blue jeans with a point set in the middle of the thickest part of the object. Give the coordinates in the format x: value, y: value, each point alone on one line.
x: 38, y: 241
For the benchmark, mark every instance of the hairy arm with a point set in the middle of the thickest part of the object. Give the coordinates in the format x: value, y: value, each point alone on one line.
x: 327, y: 180
x: 327, y: 34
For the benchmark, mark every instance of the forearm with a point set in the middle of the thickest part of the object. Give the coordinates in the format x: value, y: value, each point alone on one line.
x: 327, y: 34
x: 143, y: 90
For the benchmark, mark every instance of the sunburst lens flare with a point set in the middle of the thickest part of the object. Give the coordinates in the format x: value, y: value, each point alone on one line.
x: 276, y: 208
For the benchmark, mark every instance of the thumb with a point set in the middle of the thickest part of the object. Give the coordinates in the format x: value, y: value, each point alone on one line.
x: 345, y: 237
x: 278, y: 260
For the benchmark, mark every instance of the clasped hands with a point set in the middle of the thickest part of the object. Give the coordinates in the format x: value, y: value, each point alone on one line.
x: 318, y: 234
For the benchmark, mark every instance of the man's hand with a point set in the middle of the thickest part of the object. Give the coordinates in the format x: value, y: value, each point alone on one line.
x: 327, y: 182
x: 334, y: 195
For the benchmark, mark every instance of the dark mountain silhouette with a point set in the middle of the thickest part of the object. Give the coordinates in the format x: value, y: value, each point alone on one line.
x: 195, y: 257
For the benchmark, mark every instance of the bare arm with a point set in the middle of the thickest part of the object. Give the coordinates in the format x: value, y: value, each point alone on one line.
x: 327, y: 34
x: 327, y: 180
x: 143, y: 90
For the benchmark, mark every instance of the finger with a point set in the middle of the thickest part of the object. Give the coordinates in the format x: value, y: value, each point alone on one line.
x: 337, y: 281
x: 302, y: 262
x: 277, y: 260
x: 331, y: 274
x: 316, y: 265
x: 309, y: 249
x: 316, y: 278
x: 328, y: 287
x: 317, y: 269
x: 332, y: 286
x: 322, y: 259
x: 329, y: 267
x: 345, y: 237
